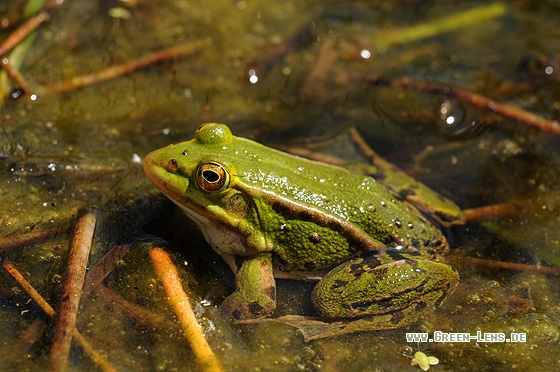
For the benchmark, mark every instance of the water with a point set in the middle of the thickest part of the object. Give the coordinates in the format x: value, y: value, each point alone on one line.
x: 307, y: 96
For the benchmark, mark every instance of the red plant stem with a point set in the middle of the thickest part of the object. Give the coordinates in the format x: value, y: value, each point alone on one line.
x: 125, y: 68
x: 22, y: 32
x: 471, y: 98
x: 486, y: 103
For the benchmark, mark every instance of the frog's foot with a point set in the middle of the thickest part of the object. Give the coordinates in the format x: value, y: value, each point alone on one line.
x: 255, y: 295
x: 398, y: 290
x: 315, y: 328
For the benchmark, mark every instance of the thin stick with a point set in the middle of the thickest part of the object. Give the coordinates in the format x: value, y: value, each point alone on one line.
x: 313, y: 86
x: 15, y: 75
x: 103, y: 268
x: 486, y: 103
x: 28, y: 338
x: 47, y: 309
x: 511, y: 266
x: 488, y: 212
x: 140, y: 315
x: 28, y: 288
x: 72, y: 290
x: 474, y: 99
x: 22, y: 32
x: 301, y: 37
x: 20, y: 240
x: 167, y: 273
x: 125, y: 68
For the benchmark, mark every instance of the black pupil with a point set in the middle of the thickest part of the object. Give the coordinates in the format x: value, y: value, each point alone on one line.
x: 210, y: 176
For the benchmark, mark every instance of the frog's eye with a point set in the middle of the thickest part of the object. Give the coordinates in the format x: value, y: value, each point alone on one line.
x: 212, y: 177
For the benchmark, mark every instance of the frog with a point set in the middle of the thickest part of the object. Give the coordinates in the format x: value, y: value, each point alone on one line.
x: 376, y: 260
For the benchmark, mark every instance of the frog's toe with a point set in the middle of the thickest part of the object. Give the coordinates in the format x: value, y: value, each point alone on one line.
x: 237, y: 307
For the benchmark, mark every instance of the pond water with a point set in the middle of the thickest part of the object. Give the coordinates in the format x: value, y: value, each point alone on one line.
x: 292, y: 75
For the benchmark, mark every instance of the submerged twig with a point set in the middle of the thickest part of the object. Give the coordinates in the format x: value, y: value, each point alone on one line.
x: 47, y: 309
x: 125, y: 68
x: 167, y: 273
x: 95, y: 277
x: 22, y: 32
x: 140, y: 315
x: 83, y: 80
x: 26, y: 339
x: 28, y: 288
x: 72, y: 290
x: 511, y: 266
x: 312, y: 87
x: 103, y: 268
x: 15, y: 75
x: 21, y: 240
x: 301, y: 37
x: 486, y: 103
x: 474, y: 99
x: 488, y: 212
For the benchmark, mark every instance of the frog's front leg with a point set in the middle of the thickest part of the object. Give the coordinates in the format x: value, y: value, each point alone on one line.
x: 255, y: 293
x: 386, y: 295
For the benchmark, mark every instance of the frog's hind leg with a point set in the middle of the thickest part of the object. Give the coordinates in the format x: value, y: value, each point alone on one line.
x: 388, y: 295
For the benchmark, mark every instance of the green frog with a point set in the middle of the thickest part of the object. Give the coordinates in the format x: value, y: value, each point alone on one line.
x: 270, y: 214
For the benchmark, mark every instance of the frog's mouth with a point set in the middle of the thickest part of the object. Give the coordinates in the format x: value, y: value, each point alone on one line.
x: 223, y: 238
x: 158, y: 174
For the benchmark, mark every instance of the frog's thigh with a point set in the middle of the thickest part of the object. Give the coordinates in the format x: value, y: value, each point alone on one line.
x: 362, y: 287
x: 255, y: 293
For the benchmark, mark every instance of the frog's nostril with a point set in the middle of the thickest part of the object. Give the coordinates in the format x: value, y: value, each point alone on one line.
x: 172, y: 165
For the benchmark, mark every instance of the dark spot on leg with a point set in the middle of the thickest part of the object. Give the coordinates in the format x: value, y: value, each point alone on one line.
x: 372, y: 263
x: 357, y: 269
x: 381, y: 272
x: 411, y: 262
x: 421, y: 306
x: 255, y: 308
x: 440, y: 300
x: 421, y: 287
x: 385, y: 303
x: 339, y: 283
x: 363, y: 306
x: 236, y: 314
x: 397, y: 316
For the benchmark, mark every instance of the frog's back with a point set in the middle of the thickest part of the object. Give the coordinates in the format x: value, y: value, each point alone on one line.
x: 355, y: 198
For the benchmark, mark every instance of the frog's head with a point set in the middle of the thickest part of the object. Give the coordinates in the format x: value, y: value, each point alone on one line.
x: 196, y: 175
